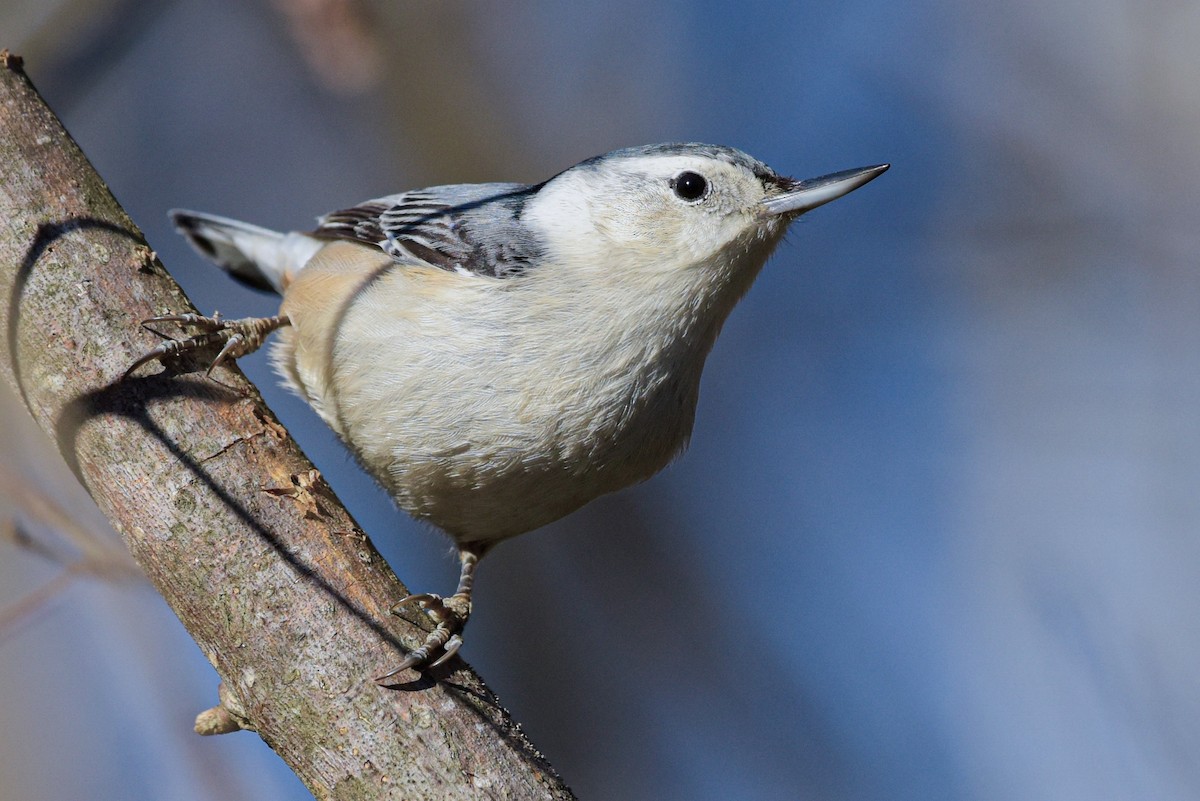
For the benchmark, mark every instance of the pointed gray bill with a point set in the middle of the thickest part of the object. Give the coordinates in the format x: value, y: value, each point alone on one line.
x: 802, y: 196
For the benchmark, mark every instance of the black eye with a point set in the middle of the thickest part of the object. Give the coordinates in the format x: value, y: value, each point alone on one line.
x: 689, y: 185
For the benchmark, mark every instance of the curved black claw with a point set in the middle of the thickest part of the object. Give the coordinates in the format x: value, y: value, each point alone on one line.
x: 236, y: 337
x: 450, y: 615
x: 448, y: 650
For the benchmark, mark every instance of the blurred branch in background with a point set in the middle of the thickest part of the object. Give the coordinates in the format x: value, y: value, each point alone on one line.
x: 288, y: 603
x: 34, y: 523
x: 338, y: 42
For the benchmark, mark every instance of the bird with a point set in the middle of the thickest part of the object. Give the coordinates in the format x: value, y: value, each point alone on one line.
x: 497, y: 355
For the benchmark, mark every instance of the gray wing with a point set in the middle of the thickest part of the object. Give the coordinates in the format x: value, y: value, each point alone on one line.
x: 472, y: 228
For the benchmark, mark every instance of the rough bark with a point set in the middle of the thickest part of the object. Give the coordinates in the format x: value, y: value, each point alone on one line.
x: 277, y: 584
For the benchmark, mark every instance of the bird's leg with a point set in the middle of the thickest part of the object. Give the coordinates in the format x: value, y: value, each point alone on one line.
x: 450, y: 615
x: 236, y: 337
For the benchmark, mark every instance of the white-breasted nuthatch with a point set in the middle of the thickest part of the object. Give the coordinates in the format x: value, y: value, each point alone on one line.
x: 497, y: 355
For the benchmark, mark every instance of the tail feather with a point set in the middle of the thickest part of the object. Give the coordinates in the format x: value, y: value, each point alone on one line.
x: 258, y: 257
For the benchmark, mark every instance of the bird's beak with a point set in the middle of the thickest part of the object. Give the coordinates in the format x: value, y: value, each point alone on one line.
x: 801, y: 196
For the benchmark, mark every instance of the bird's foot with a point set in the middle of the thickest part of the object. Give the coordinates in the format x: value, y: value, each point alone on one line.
x: 450, y: 615
x: 236, y: 338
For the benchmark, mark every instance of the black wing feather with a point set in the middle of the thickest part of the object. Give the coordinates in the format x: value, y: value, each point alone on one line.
x: 473, y: 228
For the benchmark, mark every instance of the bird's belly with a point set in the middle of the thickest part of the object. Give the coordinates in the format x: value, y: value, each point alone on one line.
x: 486, y: 454
x: 511, y: 465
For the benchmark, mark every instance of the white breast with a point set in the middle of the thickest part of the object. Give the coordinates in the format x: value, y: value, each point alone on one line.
x: 493, y: 406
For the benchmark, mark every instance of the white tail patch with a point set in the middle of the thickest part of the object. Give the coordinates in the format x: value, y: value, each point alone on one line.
x: 257, y: 256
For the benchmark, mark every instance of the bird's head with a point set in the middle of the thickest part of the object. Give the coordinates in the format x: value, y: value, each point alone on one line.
x: 662, y: 209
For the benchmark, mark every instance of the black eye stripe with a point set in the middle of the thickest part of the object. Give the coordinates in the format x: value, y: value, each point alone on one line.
x: 689, y: 186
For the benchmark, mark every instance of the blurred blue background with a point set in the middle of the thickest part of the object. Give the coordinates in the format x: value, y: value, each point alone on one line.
x: 936, y: 535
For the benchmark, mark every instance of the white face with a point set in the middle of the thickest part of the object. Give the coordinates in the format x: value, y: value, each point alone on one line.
x: 661, y: 212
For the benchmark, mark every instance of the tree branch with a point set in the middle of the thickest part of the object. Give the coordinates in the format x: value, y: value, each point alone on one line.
x: 272, y: 577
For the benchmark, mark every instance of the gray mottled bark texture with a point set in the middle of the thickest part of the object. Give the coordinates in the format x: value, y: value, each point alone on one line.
x: 280, y: 588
